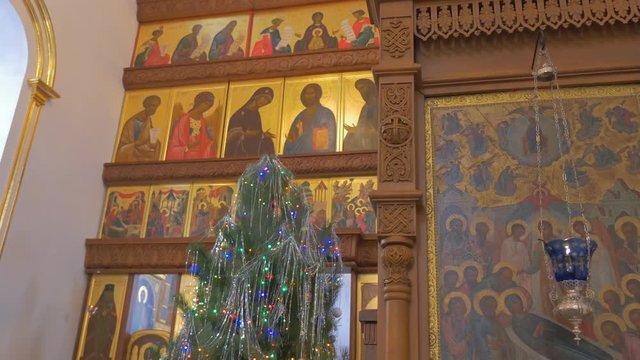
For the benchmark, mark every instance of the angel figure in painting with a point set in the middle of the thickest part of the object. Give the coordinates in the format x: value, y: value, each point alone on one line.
x: 364, y: 135
x: 245, y: 136
x: 186, y: 48
x: 101, y: 327
x: 139, y: 140
x: 190, y: 138
x: 152, y: 53
x: 314, y: 129
x: 316, y: 37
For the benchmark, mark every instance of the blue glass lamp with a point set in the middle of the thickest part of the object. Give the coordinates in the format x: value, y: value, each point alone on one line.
x: 570, y: 258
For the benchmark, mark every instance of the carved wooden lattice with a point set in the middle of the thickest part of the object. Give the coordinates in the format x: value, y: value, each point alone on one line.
x: 467, y: 18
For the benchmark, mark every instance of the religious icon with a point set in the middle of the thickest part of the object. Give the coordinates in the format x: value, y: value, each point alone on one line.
x: 123, y: 212
x: 360, y: 33
x: 318, y: 198
x: 152, y: 53
x: 192, y: 41
x: 210, y: 203
x: 152, y: 303
x: 196, y: 130
x: 316, y: 36
x: 487, y: 203
x: 98, y: 338
x: 142, y: 126
x: 167, y: 211
x: 350, y: 203
x: 310, y: 114
x: 253, y: 118
x: 272, y: 41
x: 360, y: 104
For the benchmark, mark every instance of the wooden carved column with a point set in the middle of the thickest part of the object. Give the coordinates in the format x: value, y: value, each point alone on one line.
x: 397, y: 199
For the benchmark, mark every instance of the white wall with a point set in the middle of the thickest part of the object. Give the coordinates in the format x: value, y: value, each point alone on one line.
x: 42, y: 282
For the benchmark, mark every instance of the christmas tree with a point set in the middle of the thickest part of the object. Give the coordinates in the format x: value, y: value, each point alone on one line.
x: 267, y: 288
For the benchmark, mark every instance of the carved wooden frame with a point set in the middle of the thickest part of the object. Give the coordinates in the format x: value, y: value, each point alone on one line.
x: 251, y: 68
x: 465, y: 18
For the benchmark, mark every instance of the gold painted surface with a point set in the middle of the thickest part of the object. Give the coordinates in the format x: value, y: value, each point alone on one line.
x: 239, y: 95
x: 100, y: 305
x: 182, y: 102
x: 293, y: 107
x: 352, y: 103
x: 133, y: 106
x: 167, y: 211
x: 209, y: 203
x: 365, y: 300
x: 434, y: 109
x: 124, y: 212
x: 296, y: 20
x: 350, y: 203
x: 174, y: 31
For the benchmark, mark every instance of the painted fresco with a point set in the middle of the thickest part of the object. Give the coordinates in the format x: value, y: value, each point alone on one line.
x: 102, y: 318
x: 350, y: 203
x: 192, y: 41
x: 494, y: 281
x: 209, y: 204
x: 123, y: 212
x: 360, y: 104
x: 253, y: 118
x: 196, y: 126
x: 167, y: 213
x: 309, y: 119
x: 339, y: 25
x: 143, y: 126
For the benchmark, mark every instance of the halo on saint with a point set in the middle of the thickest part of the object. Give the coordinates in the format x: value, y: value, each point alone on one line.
x: 607, y: 289
x: 455, y: 269
x: 626, y: 219
x: 606, y: 317
x: 453, y: 217
x: 484, y: 294
x: 478, y: 220
x: 625, y: 283
x: 557, y: 229
x: 503, y: 264
x: 586, y: 225
x: 626, y: 315
x: 457, y: 294
x: 472, y: 263
x: 526, y: 300
x: 517, y: 221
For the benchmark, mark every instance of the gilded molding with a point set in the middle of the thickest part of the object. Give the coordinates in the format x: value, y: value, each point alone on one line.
x: 251, y: 68
x: 353, y: 163
x: 42, y: 90
x: 465, y: 18
x: 156, y: 10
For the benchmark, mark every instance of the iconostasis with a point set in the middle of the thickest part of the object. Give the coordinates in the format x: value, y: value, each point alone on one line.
x: 330, y: 27
x: 291, y: 116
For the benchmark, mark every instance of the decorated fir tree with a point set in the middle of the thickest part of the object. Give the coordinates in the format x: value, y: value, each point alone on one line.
x: 268, y: 287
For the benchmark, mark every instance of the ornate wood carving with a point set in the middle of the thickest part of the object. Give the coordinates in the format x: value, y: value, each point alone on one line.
x: 251, y: 68
x: 352, y: 163
x: 396, y: 133
x: 396, y: 36
x: 464, y: 18
x: 155, y: 10
x: 359, y: 251
x: 396, y: 218
x: 397, y: 260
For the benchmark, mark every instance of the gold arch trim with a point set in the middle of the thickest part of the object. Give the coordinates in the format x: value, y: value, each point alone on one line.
x: 41, y: 83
